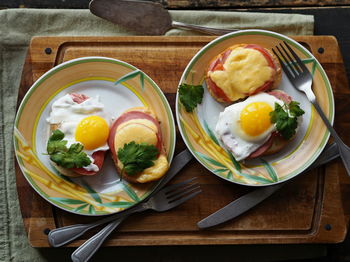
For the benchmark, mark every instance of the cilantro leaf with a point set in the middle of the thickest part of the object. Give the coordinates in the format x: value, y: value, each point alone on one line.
x: 75, y: 148
x: 137, y: 157
x: 57, y: 135
x: 56, y: 144
x: 191, y: 96
x: 285, y: 118
x: 294, y: 109
x: 66, y: 157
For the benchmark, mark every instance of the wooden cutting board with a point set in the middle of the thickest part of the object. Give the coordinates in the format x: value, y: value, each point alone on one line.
x: 308, y: 209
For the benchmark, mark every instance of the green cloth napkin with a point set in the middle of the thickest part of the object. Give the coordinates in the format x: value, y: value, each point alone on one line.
x: 17, y: 27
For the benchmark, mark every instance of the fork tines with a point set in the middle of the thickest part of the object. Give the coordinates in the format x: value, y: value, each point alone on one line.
x: 183, y: 191
x: 292, y: 67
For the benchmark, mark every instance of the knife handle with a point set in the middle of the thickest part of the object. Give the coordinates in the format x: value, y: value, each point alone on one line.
x: 207, y: 30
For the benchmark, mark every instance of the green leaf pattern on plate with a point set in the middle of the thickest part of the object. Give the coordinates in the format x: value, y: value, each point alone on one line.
x: 131, y: 75
x: 224, y: 171
x: 68, y: 201
x: 270, y: 170
x: 308, y: 61
x: 77, y: 209
x: 235, y: 162
x: 92, y: 210
x: 119, y: 204
x: 92, y: 192
x: 211, y: 161
x: 131, y: 193
x: 210, y: 133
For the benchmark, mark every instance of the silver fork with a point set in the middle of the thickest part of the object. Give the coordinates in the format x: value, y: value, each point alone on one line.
x: 167, y: 198
x: 300, y: 77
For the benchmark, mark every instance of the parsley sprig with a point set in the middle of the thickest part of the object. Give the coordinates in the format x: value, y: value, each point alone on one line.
x: 66, y: 157
x: 137, y: 157
x: 191, y: 95
x: 286, y: 118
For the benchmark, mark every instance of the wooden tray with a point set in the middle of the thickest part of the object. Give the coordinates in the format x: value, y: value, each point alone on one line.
x: 308, y: 210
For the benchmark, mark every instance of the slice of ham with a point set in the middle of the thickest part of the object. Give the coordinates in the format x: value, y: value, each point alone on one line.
x: 78, y: 98
x: 281, y: 95
x: 261, y: 150
x: 98, y: 156
x: 266, y: 146
x: 135, y: 114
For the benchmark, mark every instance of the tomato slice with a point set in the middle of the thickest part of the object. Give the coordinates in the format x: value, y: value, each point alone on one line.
x: 218, y: 64
x: 214, y: 64
x: 262, y: 88
x: 265, y: 54
x: 217, y: 90
x: 225, y: 56
x: 219, y: 67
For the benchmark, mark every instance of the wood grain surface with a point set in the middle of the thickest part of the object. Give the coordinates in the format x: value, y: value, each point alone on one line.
x: 309, y: 209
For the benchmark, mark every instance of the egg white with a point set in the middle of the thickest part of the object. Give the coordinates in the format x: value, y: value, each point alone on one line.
x: 67, y: 114
x: 229, y: 132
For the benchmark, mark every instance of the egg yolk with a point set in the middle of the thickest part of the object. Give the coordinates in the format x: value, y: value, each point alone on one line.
x: 92, y: 132
x: 255, y: 118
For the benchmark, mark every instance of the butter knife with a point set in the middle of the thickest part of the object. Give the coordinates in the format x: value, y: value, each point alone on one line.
x: 250, y: 200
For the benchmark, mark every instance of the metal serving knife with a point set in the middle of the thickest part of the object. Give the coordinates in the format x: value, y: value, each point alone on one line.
x: 250, y: 200
x: 144, y: 17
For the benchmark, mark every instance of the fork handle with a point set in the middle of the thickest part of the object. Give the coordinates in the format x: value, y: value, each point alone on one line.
x: 89, y: 248
x: 344, y: 150
x: 63, y: 235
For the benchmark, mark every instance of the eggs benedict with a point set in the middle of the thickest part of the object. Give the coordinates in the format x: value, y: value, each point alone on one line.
x: 261, y: 125
x: 137, y: 131
x: 79, y: 129
x: 242, y: 70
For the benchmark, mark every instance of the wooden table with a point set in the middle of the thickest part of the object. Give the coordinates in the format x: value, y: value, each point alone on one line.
x: 329, y: 20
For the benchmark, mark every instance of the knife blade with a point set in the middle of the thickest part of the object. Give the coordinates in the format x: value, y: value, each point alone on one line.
x: 253, y: 198
x: 144, y: 17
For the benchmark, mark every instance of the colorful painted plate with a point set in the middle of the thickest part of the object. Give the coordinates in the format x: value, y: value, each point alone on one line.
x: 103, y: 193
x: 197, y: 128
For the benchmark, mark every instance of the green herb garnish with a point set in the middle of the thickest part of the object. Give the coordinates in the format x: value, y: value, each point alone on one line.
x: 191, y: 96
x: 137, y: 157
x: 285, y: 118
x: 66, y: 157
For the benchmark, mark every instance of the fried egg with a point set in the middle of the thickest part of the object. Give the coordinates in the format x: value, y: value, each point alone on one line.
x: 86, y: 123
x: 245, y: 126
